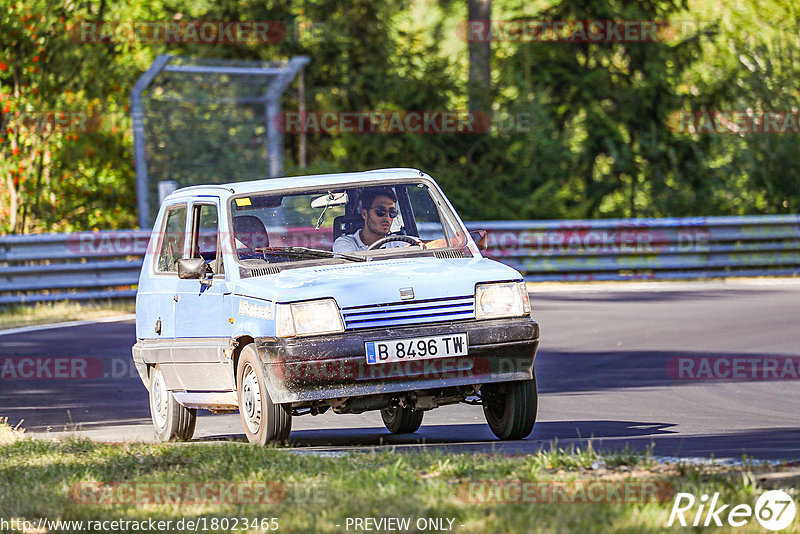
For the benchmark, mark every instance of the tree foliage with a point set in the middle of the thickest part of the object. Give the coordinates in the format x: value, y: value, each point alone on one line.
x: 580, y: 129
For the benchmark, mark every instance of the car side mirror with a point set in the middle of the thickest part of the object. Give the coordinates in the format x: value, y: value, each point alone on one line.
x: 192, y: 268
x: 479, y: 236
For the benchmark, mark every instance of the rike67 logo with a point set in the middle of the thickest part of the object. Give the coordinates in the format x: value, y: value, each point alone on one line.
x: 774, y: 510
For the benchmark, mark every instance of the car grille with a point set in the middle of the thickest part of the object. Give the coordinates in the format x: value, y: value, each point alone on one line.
x: 444, y: 254
x: 405, y: 313
x: 245, y: 272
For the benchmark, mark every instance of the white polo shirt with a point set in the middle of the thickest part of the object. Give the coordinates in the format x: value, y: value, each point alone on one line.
x: 353, y: 243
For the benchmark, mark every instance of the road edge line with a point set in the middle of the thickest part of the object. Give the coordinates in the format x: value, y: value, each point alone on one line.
x: 67, y: 324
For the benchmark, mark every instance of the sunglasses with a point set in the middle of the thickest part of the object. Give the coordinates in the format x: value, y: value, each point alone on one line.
x: 381, y: 212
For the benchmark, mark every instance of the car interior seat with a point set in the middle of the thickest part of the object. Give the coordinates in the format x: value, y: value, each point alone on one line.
x: 250, y: 234
x: 346, y: 225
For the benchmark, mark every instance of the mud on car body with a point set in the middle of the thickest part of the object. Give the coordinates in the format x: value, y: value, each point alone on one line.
x: 243, y: 305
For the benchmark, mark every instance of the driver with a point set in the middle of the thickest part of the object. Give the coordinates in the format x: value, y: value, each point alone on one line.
x: 378, y: 211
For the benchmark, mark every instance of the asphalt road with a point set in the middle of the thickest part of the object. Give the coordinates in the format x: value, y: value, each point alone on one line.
x: 621, y: 364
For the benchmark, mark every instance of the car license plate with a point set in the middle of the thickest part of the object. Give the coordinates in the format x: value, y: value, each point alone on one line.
x: 398, y: 350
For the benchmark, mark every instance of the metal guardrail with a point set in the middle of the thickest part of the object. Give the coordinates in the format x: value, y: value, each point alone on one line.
x: 647, y: 249
x: 71, y: 266
x: 93, y: 265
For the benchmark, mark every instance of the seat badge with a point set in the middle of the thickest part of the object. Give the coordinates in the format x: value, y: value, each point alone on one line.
x: 406, y: 293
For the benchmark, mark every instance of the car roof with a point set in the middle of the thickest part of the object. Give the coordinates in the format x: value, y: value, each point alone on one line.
x: 299, y: 182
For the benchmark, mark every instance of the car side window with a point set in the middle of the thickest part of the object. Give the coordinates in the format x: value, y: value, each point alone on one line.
x: 172, y: 242
x: 205, y: 233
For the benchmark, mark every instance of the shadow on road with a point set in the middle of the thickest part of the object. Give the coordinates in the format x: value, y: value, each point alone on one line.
x: 70, y: 404
x: 464, y: 433
x: 557, y: 371
x: 605, y: 436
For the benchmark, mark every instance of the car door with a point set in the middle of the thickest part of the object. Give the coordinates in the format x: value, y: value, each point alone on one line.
x: 156, y: 296
x: 203, y: 330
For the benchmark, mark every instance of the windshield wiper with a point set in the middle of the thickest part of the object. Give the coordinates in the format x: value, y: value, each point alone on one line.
x: 314, y: 253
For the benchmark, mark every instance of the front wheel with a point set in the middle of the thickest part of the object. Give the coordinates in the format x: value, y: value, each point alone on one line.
x: 400, y: 420
x: 264, y: 421
x: 172, y: 421
x: 510, y: 408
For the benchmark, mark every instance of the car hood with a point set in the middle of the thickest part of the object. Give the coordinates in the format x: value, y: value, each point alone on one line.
x: 375, y: 282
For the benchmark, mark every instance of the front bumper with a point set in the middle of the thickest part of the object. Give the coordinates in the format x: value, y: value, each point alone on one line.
x: 335, y: 366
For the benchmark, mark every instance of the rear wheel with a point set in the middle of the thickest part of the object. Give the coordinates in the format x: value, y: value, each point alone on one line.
x: 264, y: 421
x: 510, y: 408
x: 400, y: 420
x: 172, y: 421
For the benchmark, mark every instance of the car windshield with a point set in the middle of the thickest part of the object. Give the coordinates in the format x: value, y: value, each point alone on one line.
x: 404, y: 217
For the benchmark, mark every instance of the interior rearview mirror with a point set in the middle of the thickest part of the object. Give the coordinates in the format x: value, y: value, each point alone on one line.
x: 331, y: 199
x: 479, y: 236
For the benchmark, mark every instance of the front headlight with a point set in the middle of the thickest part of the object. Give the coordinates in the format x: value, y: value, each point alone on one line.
x: 508, y: 299
x: 308, y: 318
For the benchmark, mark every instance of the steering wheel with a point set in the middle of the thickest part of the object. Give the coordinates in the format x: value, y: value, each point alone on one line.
x: 389, y: 238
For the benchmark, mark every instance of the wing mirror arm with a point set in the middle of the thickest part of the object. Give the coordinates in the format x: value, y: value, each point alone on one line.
x: 195, y: 269
x: 479, y: 236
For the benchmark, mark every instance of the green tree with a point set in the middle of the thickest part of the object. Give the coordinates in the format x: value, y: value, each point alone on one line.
x: 61, y: 176
x: 752, y: 66
x: 611, y: 102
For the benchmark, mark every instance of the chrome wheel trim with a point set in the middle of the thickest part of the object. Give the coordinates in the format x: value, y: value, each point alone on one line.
x: 251, y: 400
x: 160, y: 400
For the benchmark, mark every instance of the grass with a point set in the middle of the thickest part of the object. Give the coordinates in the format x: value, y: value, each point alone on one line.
x: 77, y: 479
x: 9, y: 434
x: 54, y: 312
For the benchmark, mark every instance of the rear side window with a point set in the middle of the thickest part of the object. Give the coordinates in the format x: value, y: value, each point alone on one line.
x: 172, y: 242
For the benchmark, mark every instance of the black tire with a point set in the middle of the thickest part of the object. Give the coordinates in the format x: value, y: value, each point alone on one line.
x: 263, y: 420
x: 510, y: 408
x: 171, y: 420
x: 401, y: 420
